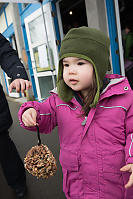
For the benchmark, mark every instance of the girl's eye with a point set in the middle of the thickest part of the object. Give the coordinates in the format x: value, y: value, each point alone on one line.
x: 66, y: 65
x: 81, y: 63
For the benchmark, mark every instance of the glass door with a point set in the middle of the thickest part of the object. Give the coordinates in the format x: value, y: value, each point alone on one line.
x: 37, y: 35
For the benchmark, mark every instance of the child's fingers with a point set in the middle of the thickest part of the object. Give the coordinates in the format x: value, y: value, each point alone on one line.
x: 34, y: 115
x: 29, y: 117
x: 130, y: 182
x: 28, y: 121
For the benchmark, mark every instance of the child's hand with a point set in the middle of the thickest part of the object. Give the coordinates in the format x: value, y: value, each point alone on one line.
x: 129, y: 168
x: 29, y: 117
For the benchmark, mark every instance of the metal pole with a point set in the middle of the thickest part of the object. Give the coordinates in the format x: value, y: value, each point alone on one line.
x: 49, y: 52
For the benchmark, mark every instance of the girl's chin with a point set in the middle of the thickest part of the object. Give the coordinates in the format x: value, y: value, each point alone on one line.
x: 75, y: 89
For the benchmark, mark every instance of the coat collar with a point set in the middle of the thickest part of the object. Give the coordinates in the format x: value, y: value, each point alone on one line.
x: 118, y: 85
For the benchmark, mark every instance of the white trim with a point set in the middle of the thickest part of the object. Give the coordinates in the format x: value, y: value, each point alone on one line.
x: 46, y: 73
x: 45, y: 113
x: 114, y: 107
x: 113, y: 81
x: 67, y: 106
x: 54, y: 91
x: 131, y: 146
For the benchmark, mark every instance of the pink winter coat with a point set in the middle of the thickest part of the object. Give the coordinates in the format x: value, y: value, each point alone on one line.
x: 92, y: 152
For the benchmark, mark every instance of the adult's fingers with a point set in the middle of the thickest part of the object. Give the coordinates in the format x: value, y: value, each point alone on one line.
x: 15, y: 84
x: 20, y: 85
x: 28, y: 84
x: 126, y: 168
x: 130, y: 182
x: 25, y: 85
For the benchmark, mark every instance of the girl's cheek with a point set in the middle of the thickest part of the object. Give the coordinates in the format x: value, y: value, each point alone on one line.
x: 64, y: 74
x: 64, y: 77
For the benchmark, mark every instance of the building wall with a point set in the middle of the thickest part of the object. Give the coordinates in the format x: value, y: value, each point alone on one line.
x: 96, y: 14
x: 9, y: 14
x: 96, y: 18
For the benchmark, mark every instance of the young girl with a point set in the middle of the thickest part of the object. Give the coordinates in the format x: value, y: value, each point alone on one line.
x: 94, y: 115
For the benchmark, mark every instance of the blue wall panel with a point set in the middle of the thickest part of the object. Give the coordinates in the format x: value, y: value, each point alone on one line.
x: 113, y: 36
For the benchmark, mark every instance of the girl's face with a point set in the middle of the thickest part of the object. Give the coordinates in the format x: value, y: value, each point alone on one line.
x: 78, y: 74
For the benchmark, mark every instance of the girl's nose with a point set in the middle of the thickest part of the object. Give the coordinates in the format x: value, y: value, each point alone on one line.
x: 72, y: 69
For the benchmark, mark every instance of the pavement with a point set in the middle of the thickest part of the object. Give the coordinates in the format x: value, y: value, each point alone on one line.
x: 24, y: 140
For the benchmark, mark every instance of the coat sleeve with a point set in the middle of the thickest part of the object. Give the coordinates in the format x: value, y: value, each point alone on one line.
x: 46, y: 114
x: 129, y: 135
x: 10, y: 62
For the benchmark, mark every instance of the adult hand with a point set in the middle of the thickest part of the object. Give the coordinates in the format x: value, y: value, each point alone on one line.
x: 20, y: 85
x: 128, y: 168
x: 29, y: 117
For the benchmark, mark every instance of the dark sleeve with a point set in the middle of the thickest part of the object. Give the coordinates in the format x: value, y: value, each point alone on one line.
x: 10, y: 62
x: 129, y: 47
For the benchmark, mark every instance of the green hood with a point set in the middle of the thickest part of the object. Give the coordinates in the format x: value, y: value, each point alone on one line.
x: 89, y: 44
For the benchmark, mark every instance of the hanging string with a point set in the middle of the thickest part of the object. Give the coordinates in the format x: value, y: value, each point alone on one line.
x: 38, y: 135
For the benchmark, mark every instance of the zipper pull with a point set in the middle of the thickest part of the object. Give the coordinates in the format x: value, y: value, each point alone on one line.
x: 84, y: 122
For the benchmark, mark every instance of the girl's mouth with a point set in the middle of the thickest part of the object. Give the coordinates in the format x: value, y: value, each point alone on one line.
x: 73, y: 81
